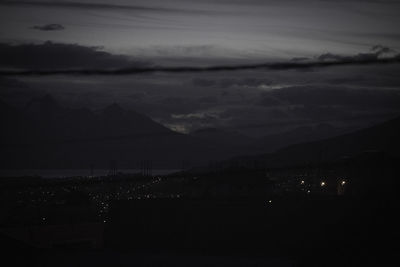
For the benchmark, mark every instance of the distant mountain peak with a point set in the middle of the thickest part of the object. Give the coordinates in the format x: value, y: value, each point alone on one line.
x: 46, y: 105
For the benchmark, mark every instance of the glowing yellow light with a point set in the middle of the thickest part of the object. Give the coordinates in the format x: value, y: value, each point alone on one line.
x: 322, y: 183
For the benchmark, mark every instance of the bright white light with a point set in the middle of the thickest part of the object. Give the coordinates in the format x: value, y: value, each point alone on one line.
x: 343, y: 182
x: 322, y: 183
x: 302, y: 182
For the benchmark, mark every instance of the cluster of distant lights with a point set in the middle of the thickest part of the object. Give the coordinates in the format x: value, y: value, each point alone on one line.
x: 322, y: 184
x: 104, y: 206
x: 101, y: 197
x: 342, y: 183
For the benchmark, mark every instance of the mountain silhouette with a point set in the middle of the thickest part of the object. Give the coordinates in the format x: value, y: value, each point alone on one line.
x: 44, y: 106
x: 114, y: 120
x: 44, y: 134
x: 382, y: 138
x: 274, y: 142
x: 47, y: 135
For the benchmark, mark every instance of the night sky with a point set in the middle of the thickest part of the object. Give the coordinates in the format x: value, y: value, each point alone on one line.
x: 106, y: 35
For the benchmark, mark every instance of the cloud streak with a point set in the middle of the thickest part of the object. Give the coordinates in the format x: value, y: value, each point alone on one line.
x: 49, y: 27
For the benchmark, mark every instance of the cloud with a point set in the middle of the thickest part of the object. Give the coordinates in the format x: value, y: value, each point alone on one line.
x: 49, y: 27
x: 61, y: 57
x: 90, y: 67
x: 379, y: 49
x: 375, y: 53
x: 187, y: 122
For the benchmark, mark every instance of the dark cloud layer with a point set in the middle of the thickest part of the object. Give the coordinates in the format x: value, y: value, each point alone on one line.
x: 60, y: 57
x: 266, y: 66
x: 49, y: 27
x: 71, y: 59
